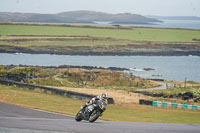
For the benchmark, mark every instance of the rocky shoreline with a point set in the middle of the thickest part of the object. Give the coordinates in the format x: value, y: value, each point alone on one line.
x: 84, y: 67
x: 107, y: 53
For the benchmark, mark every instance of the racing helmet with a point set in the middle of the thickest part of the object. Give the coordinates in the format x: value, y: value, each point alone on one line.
x: 104, y: 95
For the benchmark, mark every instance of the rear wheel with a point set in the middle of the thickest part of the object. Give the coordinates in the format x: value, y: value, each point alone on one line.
x: 94, y: 116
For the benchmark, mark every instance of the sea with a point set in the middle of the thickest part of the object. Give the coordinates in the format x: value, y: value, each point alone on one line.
x: 186, y: 24
x: 178, y: 68
x: 166, y: 23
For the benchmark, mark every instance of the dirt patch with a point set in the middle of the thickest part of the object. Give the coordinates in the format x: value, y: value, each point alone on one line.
x: 119, y: 96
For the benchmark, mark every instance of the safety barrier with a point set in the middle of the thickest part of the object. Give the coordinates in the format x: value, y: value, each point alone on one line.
x: 71, y: 94
x: 145, y: 102
x: 168, y: 104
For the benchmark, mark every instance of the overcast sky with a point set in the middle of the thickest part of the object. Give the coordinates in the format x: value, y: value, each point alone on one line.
x: 143, y: 7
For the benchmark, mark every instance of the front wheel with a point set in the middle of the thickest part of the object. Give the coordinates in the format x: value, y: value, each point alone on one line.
x: 94, y: 116
x: 78, y: 117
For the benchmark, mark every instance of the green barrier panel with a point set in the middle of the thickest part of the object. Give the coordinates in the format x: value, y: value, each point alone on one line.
x: 164, y: 104
x: 185, y: 106
x: 154, y: 103
x: 174, y: 105
x: 194, y: 107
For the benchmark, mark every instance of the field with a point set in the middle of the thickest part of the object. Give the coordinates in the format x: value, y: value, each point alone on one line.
x: 118, y: 112
x: 97, y: 40
x: 136, y: 34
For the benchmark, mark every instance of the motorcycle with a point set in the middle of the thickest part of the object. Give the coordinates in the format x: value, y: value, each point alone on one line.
x: 92, y: 112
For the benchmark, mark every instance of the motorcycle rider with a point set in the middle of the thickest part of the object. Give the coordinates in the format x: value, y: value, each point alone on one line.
x: 93, y: 101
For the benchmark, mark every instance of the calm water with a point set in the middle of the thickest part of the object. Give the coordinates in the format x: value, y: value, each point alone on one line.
x: 166, y: 67
x: 167, y: 23
x: 188, y: 24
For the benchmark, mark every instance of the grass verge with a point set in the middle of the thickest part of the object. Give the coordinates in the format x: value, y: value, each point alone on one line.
x: 117, y: 112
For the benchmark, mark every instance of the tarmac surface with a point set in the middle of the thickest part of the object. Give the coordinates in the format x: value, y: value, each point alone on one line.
x: 15, y: 119
x: 162, y: 86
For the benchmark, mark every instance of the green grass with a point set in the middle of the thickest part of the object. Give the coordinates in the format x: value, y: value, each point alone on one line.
x: 171, y: 91
x: 125, y: 112
x: 136, y: 34
x: 38, y: 99
x: 150, y: 114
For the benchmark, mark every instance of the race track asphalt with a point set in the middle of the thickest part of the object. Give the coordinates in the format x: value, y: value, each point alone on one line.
x: 15, y: 119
